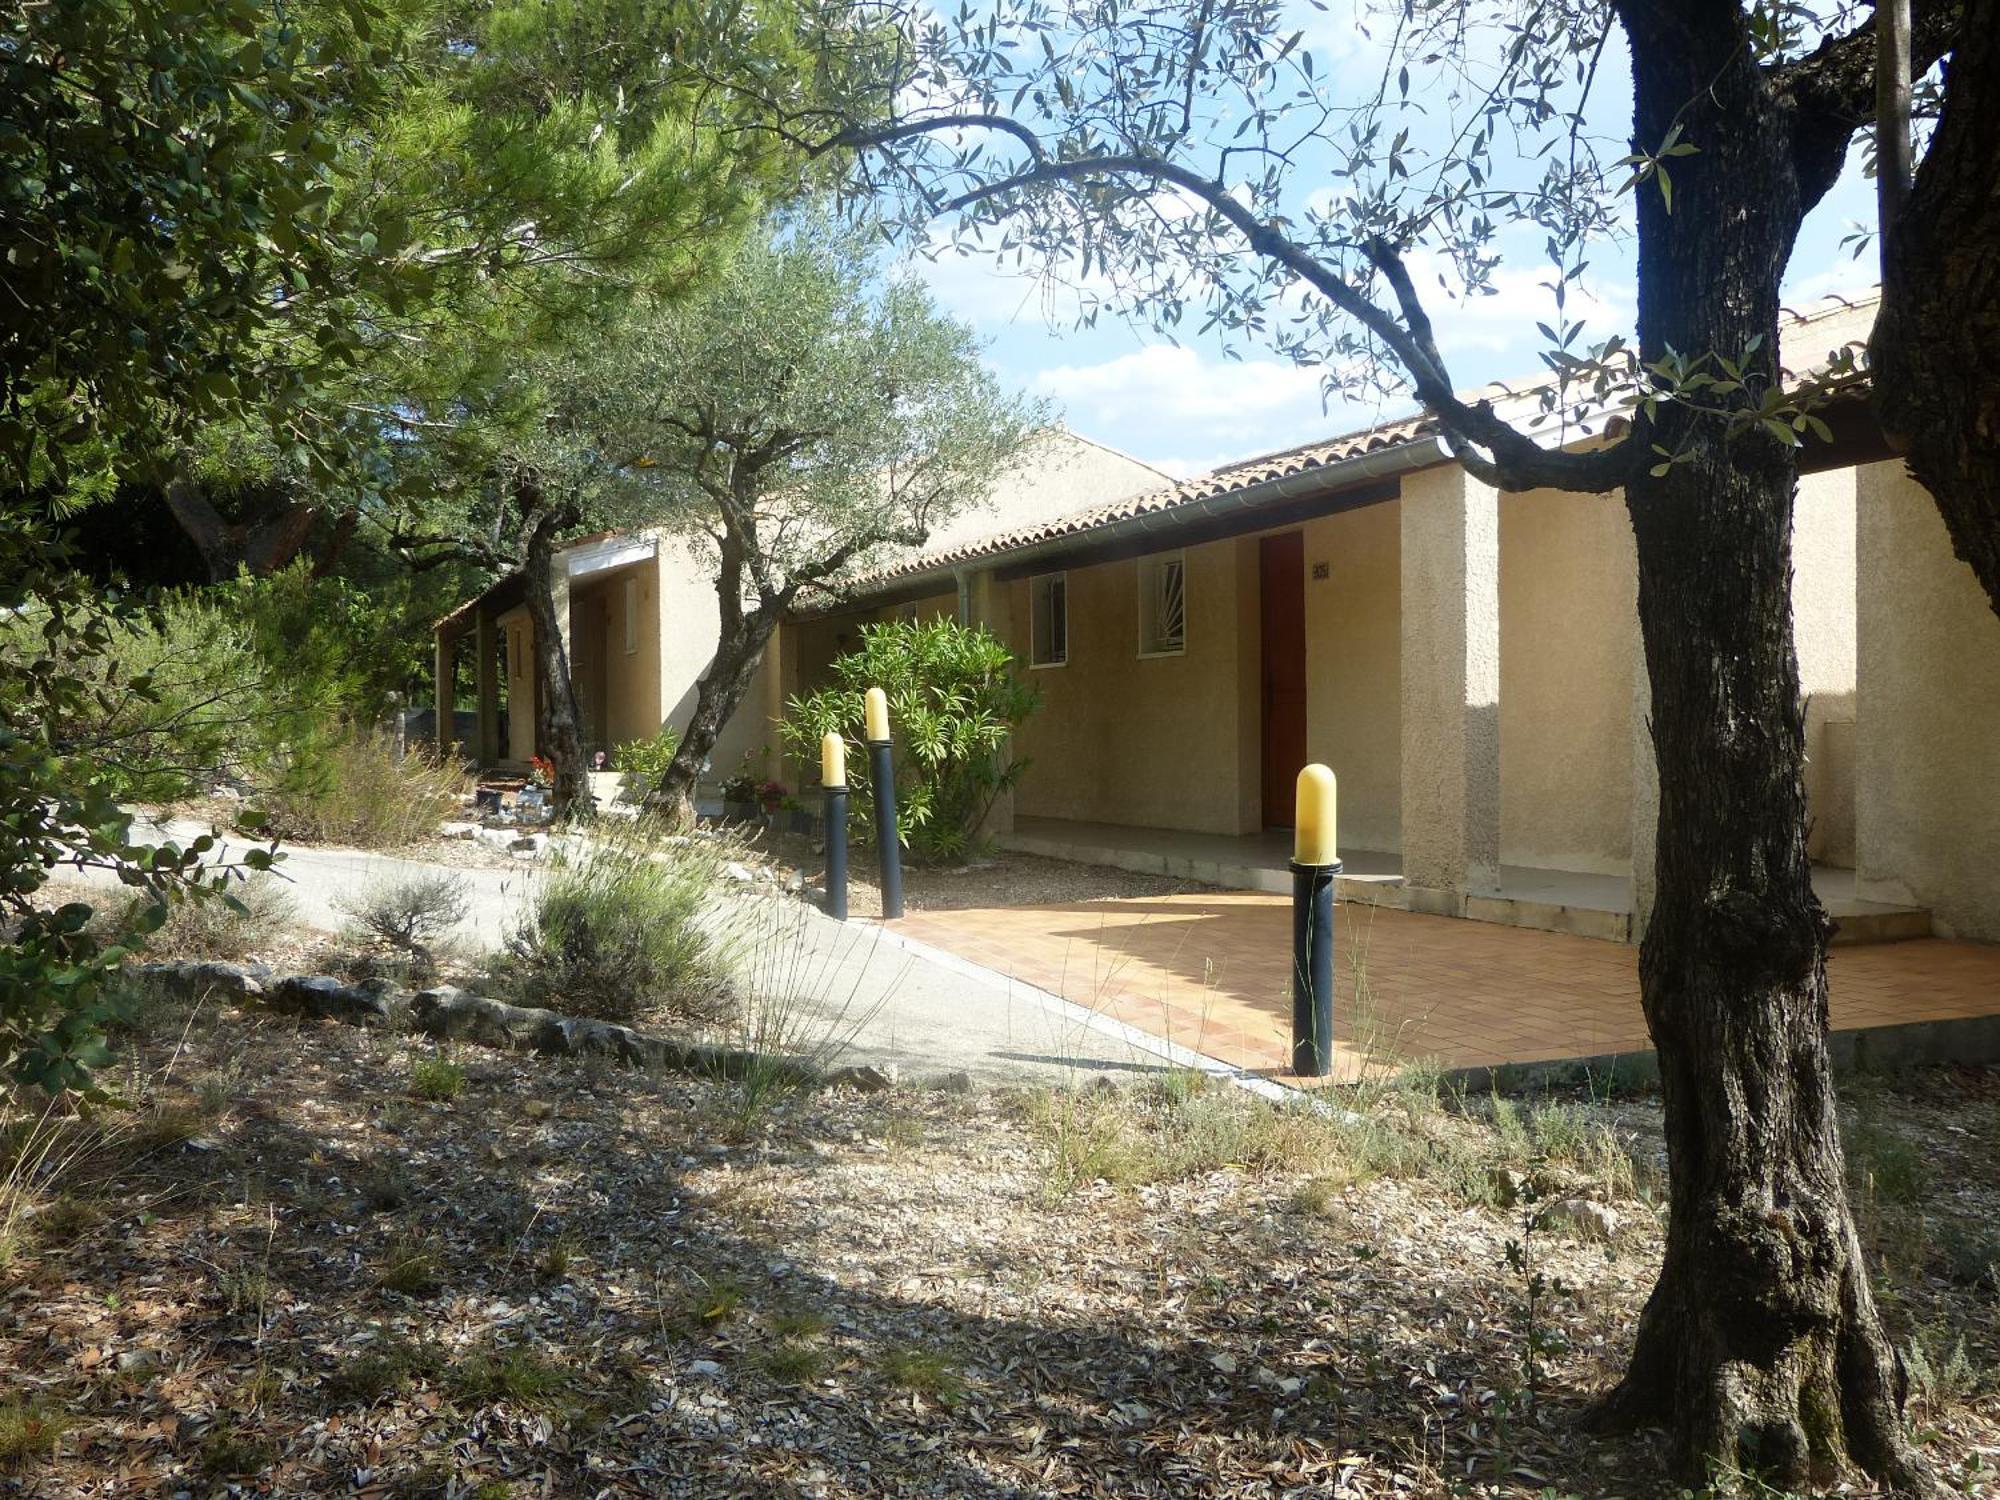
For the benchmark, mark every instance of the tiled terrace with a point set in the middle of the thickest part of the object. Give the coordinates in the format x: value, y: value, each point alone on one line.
x: 1587, y: 903
x: 1210, y: 971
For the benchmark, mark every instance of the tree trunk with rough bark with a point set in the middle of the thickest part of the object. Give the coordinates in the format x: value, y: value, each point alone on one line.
x: 556, y: 721
x: 716, y: 699
x: 263, y: 548
x: 1936, y: 347
x: 1760, y: 1348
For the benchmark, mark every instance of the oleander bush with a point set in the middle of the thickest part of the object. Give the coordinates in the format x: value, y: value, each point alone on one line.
x: 955, y: 701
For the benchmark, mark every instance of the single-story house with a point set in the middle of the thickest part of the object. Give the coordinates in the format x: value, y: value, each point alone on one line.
x: 640, y: 618
x: 1468, y: 662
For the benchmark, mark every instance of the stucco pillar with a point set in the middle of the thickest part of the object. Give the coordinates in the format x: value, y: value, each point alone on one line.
x: 1645, y: 786
x: 1450, y: 688
x: 983, y: 601
x: 1898, y: 672
x: 444, y: 665
x: 486, y: 654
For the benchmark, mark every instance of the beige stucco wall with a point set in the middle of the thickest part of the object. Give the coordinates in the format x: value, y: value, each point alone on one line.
x: 1823, y: 627
x: 1568, y: 618
x: 1057, y: 474
x: 1353, y: 668
x: 618, y: 691
x: 1927, y: 819
x: 1155, y: 742
x: 519, y: 632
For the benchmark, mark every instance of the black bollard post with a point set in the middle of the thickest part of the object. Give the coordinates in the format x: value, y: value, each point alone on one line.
x: 1312, y: 969
x: 836, y: 853
x: 882, y: 780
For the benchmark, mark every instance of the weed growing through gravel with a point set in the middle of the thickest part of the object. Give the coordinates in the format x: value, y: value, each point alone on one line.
x: 1887, y: 1167
x: 798, y: 1323
x: 1941, y: 1372
x: 413, y: 1266
x: 789, y: 1362
x: 28, y: 1434
x: 923, y: 1372
x: 66, y: 1218
x: 517, y: 1375
x: 436, y: 1078
x: 553, y: 1264
x: 384, y: 1370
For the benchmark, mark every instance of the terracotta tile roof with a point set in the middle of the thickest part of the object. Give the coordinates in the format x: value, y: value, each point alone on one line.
x: 1227, y: 480
x: 1514, y: 399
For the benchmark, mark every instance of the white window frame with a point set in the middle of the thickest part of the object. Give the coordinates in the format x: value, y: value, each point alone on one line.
x: 631, y: 617
x: 1145, y: 581
x: 1040, y: 581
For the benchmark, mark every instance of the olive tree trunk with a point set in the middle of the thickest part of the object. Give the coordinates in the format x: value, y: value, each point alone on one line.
x: 1936, y: 347
x: 739, y: 649
x: 556, y: 717
x: 1760, y: 1349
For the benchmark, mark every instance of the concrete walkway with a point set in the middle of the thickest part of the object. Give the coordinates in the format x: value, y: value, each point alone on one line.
x: 1211, y: 972
x: 853, y: 992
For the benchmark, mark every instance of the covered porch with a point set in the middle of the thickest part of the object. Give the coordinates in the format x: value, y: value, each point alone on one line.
x: 487, y: 691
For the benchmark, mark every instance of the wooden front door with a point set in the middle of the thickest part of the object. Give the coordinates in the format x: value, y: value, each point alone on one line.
x: 1281, y: 593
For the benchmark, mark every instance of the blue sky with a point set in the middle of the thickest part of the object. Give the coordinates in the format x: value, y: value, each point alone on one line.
x: 1188, y: 408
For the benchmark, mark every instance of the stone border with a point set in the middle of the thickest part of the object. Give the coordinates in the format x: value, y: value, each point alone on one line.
x: 447, y: 1013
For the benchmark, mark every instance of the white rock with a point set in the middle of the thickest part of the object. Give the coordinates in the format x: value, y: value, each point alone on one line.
x: 1226, y: 1363
x: 1582, y: 1218
x: 704, y: 1367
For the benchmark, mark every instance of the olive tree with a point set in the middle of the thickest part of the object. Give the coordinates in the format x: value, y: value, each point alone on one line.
x: 802, y: 419
x: 1184, y: 159
x: 1936, y: 346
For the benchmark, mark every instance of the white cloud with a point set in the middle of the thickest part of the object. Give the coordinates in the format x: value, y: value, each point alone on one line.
x: 1174, y: 384
x: 1165, y: 395
x: 1506, y: 319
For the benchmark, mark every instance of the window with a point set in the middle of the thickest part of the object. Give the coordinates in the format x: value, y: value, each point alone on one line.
x: 631, y: 616
x: 1162, y: 605
x: 1049, y: 627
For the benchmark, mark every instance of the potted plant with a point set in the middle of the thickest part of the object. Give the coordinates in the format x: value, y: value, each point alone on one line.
x: 740, y: 797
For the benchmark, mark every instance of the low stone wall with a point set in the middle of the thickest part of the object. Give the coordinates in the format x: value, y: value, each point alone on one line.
x: 447, y: 1013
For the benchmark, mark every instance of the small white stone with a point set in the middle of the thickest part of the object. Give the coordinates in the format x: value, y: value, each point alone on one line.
x: 1582, y: 1217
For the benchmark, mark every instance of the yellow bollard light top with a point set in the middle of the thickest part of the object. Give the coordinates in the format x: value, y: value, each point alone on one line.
x: 833, y: 760
x: 1313, y: 838
x: 877, y: 714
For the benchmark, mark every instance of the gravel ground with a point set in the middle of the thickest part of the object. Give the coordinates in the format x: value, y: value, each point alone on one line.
x: 310, y: 1260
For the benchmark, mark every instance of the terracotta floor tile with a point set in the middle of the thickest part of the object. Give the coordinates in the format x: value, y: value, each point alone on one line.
x: 1214, y: 972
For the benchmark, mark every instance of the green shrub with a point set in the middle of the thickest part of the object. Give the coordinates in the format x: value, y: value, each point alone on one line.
x: 616, y: 927
x: 360, y: 794
x: 954, y: 701
x: 647, y: 759
x: 200, y: 924
x: 411, y: 912
x: 251, y: 681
